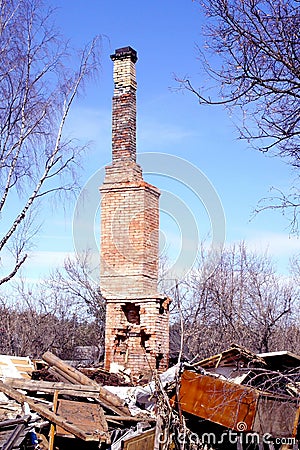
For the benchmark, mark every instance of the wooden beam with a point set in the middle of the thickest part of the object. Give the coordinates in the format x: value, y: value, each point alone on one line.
x: 60, y: 375
x: 49, y: 387
x: 110, y: 400
x: 71, y: 372
x: 52, y: 426
x: 10, y: 422
x: 128, y: 418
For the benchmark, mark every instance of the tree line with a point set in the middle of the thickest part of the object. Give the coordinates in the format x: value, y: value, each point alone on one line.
x: 232, y: 296
x: 236, y: 296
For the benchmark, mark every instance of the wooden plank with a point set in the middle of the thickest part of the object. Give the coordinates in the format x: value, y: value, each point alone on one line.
x: 36, y: 406
x: 143, y: 441
x: 52, y: 426
x: 49, y: 387
x: 100, y: 397
x: 11, y: 422
x: 13, y: 432
x: 128, y: 418
x: 18, y: 434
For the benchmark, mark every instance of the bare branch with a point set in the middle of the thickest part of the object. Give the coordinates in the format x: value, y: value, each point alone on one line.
x: 251, y: 55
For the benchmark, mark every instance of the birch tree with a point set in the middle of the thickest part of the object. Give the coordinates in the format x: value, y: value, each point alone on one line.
x: 37, y: 90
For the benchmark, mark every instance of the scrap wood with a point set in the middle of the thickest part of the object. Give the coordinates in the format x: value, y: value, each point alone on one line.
x: 13, y: 437
x: 89, y: 416
x: 9, y: 409
x: 233, y: 355
x: 145, y: 440
x: 74, y: 390
x: 69, y: 371
x: 49, y: 387
x: 43, y: 443
x: 129, y: 418
x: 64, y: 422
x: 10, y: 422
x: 16, y: 366
x: 58, y: 374
x: 109, y: 400
x: 52, y: 426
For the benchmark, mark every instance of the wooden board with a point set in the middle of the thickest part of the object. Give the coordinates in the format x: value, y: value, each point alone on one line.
x: 108, y: 399
x: 88, y: 416
x: 13, y: 366
x: 144, y: 441
x: 76, y: 390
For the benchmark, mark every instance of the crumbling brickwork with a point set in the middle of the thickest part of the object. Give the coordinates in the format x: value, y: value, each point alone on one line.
x: 137, y: 317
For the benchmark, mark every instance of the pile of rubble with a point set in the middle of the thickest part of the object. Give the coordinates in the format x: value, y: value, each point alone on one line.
x: 235, y: 399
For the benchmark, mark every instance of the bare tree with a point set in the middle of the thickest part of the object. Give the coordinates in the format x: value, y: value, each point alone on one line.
x: 236, y: 297
x: 252, y: 53
x: 37, y: 89
x: 36, y: 320
x: 76, y: 282
x: 64, y: 311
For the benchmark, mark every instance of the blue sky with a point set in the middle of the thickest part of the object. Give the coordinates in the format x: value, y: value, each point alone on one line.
x: 170, y: 121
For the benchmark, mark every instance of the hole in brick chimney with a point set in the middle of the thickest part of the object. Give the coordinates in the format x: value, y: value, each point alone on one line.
x: 163, y: 306
x: 144, y: 338
x: 132, y: 313
x: 120, y: 344
x: 158, y: 359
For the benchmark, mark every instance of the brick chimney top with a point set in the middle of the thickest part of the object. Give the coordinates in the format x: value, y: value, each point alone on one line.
x: 124, y: 106
x: 125, y: 52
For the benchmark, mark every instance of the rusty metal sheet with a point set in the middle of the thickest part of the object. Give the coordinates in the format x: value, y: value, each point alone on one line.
x: 89, y: 417
x: 219, y: 401
x: 143, y: 441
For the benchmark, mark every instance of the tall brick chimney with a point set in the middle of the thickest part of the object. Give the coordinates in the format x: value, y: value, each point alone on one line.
x: 137, y: 317
x: 124, y: 105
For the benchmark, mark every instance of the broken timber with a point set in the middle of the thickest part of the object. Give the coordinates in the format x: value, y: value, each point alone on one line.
x: 49, y: 387
x: 13, y: 432
x: 109, y: 400
x: 75, y: 390
x: 63, y: 422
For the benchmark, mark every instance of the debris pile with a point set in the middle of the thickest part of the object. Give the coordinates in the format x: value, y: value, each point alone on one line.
x: 236, y: 399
